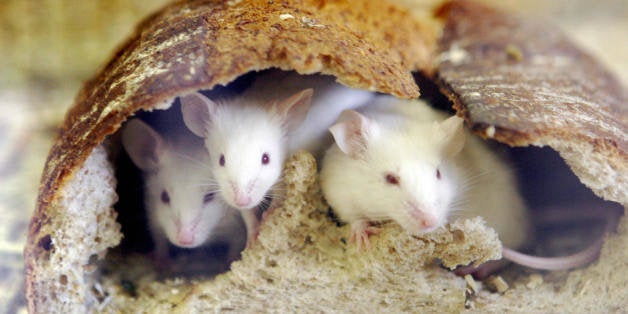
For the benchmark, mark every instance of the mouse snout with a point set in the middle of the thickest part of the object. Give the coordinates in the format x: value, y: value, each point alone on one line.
x: 426, y: 220
x: 185, y: 237
x: 241, y: 197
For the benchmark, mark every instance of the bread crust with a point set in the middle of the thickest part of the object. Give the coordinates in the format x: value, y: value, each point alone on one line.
x: 524, y: 83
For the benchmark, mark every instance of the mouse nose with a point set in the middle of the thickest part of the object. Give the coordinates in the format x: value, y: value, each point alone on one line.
x: 242, y: 200
x: 185, y: 237
x: 428, y: 221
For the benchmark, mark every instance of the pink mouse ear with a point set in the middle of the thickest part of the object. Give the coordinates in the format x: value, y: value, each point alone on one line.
x: 350, y: 132
x: 454, y: 137
x: 197, y: 111
x: 143, y: 145
x: 294, y: 109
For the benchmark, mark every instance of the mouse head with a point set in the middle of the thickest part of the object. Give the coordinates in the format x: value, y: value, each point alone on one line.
x: 405, y: 168
x: 178, y: 195
x: 246, y: 141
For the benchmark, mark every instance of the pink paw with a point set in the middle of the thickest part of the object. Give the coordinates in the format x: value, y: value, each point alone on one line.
x: 360, y: 232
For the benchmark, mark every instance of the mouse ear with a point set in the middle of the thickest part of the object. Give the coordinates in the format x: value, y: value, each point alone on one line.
x: 454, y: 136
x: 294, y: 109
x: 143, y: 144
x: 349, y: 132
x: 197, y: 111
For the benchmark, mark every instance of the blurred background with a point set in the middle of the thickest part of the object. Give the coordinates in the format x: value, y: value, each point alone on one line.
x: 49, y: 47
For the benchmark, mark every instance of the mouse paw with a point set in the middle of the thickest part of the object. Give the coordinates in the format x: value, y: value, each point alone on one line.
x: 360, y: 232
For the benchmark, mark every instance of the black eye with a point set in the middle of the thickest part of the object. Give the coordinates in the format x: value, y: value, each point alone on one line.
x: 392, y: 179
x: 208, y: 197
x: 165, y: 197
x: 437, y: 174
x: 222, y: 160
x: 265, y: 159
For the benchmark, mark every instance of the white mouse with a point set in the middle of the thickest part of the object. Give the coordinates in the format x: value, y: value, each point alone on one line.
x: 403, y: 160
x: 180, y: 197
x: 250, y: 136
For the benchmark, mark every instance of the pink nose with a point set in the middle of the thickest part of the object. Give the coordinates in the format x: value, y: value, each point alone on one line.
x: 242, y: 199
x: 185, y: 237
x: 427, y: 220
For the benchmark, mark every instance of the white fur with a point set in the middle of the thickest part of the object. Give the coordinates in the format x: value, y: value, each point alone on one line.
x: 244, y: 128
x: 242, y: 132
x: 329, y: 100
x: 182, y: 172
x: 407, y: 138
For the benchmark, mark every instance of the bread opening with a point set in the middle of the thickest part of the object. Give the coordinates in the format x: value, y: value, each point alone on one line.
x: 565, y: 213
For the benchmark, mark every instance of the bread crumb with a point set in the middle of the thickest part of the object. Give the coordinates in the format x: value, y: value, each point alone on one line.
x: 233, y: 2
x: 490, y: 131
x: 497, y: 283
x: 583, y: 287
x: 469, y: 305
x: 534, y: 281
x: 471, y: 284
x: 455, y: 55
x: 514, y: 53
x: 308, y: 22
x: 286, y: 16
x: 101, y: 296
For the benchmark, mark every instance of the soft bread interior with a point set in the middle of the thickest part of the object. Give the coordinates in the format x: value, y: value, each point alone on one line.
x: 81, y: 228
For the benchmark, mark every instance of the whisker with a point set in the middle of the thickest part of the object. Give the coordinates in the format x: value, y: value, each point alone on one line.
x: 199, y: 163
x: 276, y: 191
x: 208, y: 184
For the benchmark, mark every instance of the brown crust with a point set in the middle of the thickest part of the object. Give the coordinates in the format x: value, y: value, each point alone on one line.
x: 199, y: 44
x: 192, y: 45
x: 531, y: 85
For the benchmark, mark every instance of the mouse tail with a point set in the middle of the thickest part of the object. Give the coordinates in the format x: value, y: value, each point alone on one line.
x: 576, y: 260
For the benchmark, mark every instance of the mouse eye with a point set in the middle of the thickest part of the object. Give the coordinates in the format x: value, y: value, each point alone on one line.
x: 392, y: 179
x: 437, y: 174
x: 208, y: 197
x: 165, y: 197
x: 265, y: 159
x: 221, y: 161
